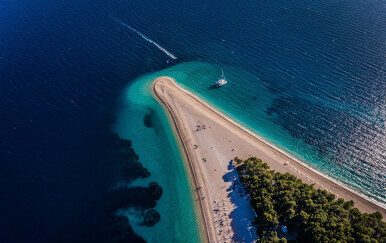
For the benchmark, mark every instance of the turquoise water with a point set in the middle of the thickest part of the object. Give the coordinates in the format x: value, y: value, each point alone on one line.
x: 245, y: 99
x: 309, y: 76
x: 156, y: 146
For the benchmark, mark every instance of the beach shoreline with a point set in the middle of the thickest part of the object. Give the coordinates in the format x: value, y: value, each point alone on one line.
x: 169, y: 93
x: 188, y: 157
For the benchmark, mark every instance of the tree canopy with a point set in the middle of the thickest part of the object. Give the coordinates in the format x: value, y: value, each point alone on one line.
x: 314, y: 214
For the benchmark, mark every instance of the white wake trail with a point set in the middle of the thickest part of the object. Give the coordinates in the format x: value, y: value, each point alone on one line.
x: 145, y: 37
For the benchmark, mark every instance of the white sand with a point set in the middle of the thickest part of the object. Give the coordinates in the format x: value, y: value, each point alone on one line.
x: 219, y: 143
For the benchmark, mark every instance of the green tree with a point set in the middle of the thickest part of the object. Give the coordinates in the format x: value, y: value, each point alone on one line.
x: 316, y: 214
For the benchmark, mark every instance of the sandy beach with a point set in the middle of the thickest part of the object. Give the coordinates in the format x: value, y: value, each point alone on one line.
x: 210, y: 142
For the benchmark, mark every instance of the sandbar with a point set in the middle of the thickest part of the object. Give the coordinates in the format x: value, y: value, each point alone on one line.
x: 210, y: 142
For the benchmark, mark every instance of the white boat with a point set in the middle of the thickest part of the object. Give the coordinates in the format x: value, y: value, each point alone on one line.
x: 221, y: 81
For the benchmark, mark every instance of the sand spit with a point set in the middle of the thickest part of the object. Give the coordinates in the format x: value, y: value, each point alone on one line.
x: 210, y: 142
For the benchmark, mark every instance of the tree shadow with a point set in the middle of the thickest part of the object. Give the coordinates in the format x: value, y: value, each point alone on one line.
x: 240, y: 211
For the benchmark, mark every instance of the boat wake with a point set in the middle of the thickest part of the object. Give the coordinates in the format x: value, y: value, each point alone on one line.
x: 144, y: 37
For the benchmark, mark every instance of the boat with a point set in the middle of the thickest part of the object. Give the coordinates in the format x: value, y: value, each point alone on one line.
x: 221, y: 81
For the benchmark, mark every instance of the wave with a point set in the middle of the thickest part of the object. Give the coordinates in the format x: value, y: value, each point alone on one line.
x: 144, y: 37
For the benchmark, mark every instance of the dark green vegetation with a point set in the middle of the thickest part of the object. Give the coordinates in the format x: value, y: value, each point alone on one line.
x: 313, y: 214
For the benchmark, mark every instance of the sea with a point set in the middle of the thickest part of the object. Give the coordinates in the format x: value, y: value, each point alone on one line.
x: 88, y: 155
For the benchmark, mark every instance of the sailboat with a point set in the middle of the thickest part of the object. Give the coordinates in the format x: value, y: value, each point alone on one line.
x: 221, y: 81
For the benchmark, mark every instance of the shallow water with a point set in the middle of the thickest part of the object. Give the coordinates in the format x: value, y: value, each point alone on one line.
x: 307, y: 76
x: 142, y: 120
x: 248, y: 100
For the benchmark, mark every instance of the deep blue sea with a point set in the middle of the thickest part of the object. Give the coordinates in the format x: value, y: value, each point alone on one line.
x: 86, y: 154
